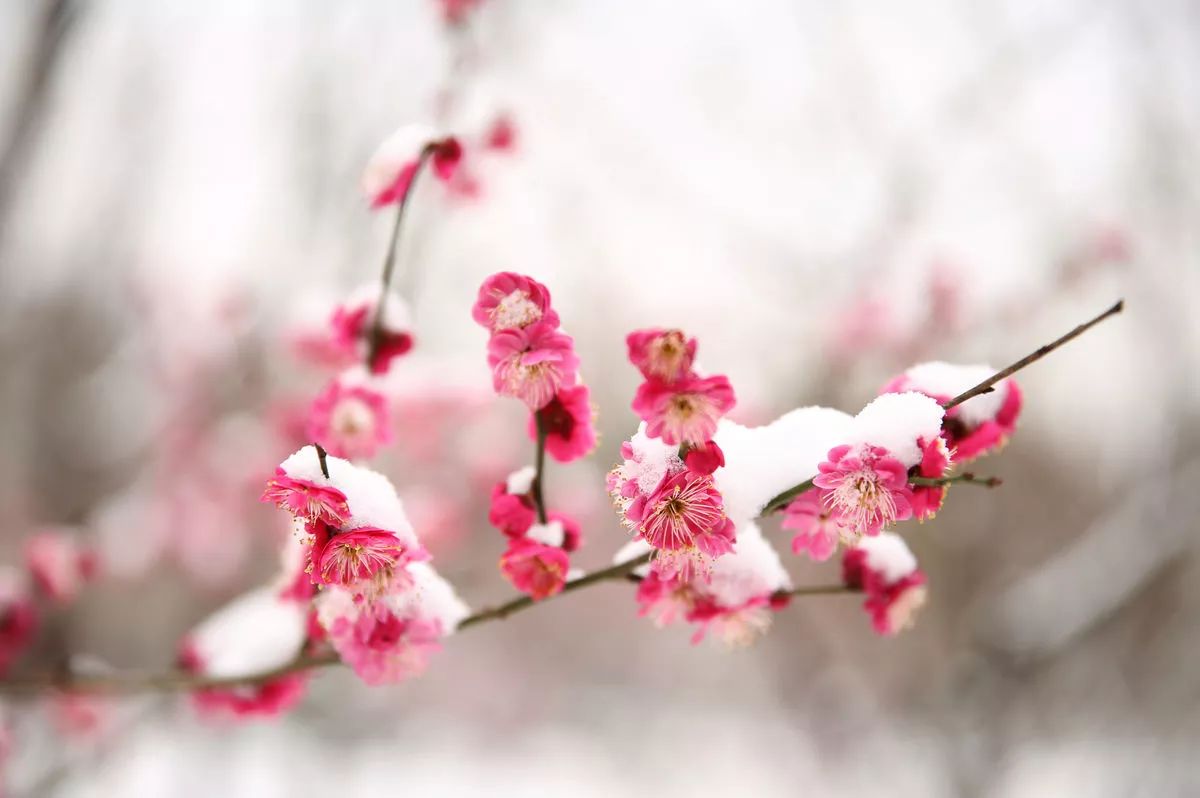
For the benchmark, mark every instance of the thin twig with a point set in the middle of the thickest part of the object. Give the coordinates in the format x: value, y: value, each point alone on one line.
x: 1033, y: 357
x: 539, y: 501
x: 389, y: 260
x: 968, y: 477
x: 321, y: 455
x: 819, y: 590
x: 784, y: 499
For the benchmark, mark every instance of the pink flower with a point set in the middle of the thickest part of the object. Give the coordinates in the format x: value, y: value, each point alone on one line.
x: 511, y: 513
x: 885, y: 569
x: 817, y: 530
x: 534, y: 568
x: 80, y: 715
x: 865, y: 489
x: 664, y: 600
x: 704, y: 459
x: 391, y: 169
x: 572, y: 534
x: 267, y: 700
x: 353, y: 327
x: 935, y: 461
x: 382, y: 643
x: 307, y: 500
x: 532, y: 363
x: 567, y: 419
x: 686, y: 411
x: 502, y: 135
x: 664, y: 355
x: 968, y: 443
x: 511, y: 301
x: 684, y: 519
x: 19, y: 619
x: 735, y: 626
x: 350, y: 421
x: 455, y: 12
x: 59, y: 565
x: 367, y: 559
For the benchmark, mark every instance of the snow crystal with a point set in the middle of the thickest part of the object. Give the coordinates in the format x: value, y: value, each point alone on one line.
x: 889, y: 555
x: 521, y: 480
x: 652, y: 460
x: 631, y: 551
x: 753, y: 569
x: 432, y: 597
x: 949, y: 380
x: 762, y: 462
x: 549, y: 534
x: 255, y: 632
x: 895, y: 421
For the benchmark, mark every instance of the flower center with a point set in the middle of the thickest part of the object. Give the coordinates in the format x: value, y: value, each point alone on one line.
x: 352, y: 417
x: 515, y: 310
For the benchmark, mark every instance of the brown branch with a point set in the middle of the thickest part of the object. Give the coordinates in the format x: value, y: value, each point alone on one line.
x: 819, y: 590
x: 1033, y: 357
x: 539, y: 501
x: 389, y: 260
x: 321, y: 458
x: 967, y: 477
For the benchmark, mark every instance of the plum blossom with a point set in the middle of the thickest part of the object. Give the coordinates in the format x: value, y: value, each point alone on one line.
x: 979, y: 425
x: 511, y: 513
x: 259, y: 631
x: 59, y: 565
x: 686, y: 411
x: 885, y: 569
x: 367, y: 559
x: 818, y: 530
x: 307, y: 500
x: 935, y: 462
x: 567, y: 421
x: 352, y: 325
x: 511, y: 301
x: 704, y: 459
x: 501, y: 135
x: 865, y: 488
x: 535, y: 568
x: 684, y: 520
x: 350, y: 418
x: 19, y: 618
x: 391, y: 169
x: 390, y: 639
x: 532, y: 363
x: 664, y: 355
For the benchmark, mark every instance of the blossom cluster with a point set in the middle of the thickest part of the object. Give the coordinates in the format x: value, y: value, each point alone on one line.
x: 533, y: 360
x: 665, y: 489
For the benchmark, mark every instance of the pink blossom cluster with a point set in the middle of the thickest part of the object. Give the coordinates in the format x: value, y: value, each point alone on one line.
x: 537, y: 559
x: 885, y: 570
x: 389, y: 173
x: 678, y: 405
x: 734, y: 601
x: 533, y: 360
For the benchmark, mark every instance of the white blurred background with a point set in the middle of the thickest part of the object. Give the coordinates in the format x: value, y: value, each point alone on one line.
x: 822, y: 193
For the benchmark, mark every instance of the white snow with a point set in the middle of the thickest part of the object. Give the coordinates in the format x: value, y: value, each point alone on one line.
x: 652, y: 460
x: 888, y: 554
x: 895, y: 421
x: 397, y: 150
x: 396, y: 314
x: 752, y: 569
x: 521, y: 480
x: 255, y: 632
x: 549, y: 534
x: 948, y: 379
x: 631, y: 551
x: 434, y: 597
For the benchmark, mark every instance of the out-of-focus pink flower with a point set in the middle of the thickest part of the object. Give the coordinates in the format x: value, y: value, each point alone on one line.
x: 865, y: 488
x: 532, y: 363
x: 864, y: 325
x: 501, y: 135
x: 885, y: 569
x: 350, y: 420
x: 511, y: 513
x: 663, y: 355
x: 353, y: 327
x: 704, y: 459
x: 664, y: 600
x: 307, y: 500
x: 80, y: 715
x: 455, y: 12
x: 567, y: 419
x: 817, y: 530
x: 534, y: 568
x: 684, y: 519
x: 59, y: 565
x: 366, y: 560
x: 390, y: 171
x: 18, y: 617
x: 269, y: 699
x: 686, y: 411
x: 935, y: 461
x: 511, y: 301
x: 737, y: 626
x: 572, y: 533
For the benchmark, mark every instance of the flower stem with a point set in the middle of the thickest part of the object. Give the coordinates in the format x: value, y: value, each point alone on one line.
x: 968, y: 477
x: 540, y: 467
x: 785, y: 498
x: 321, y: 455
x: 389, y: 259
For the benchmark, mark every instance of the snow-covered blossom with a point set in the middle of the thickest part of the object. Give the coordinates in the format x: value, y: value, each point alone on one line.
x: 664, y: 355
x: 392, y: 638
x: 60, y: 566
x: 704, y: 459
x: 979, y: 425
x: 818, y: 530
x: 365, y: 559
x: 511, y: 301
x: 684, y: 520
x: 257, y: 632
x: 511, y: 513
x: 885, y: 569
x: 535, y: 568
x: 567, y: 421
x: 866, y: 489
x: 532, y: 363
x: 18, y: 616
x: 734, y: 603
x: 352, y: 326
x: 350, y: 417
x: 685, y: 411
x: 307, y: 500
x: 392, y: 167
